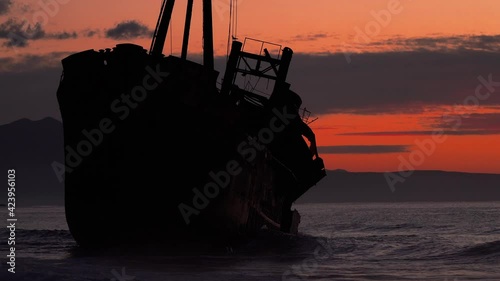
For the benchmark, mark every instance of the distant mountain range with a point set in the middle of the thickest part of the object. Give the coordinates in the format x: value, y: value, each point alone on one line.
x: 31, y: 147
x: 342, y: 186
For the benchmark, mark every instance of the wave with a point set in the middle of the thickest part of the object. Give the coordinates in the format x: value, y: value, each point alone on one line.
x: 268, y: 244
x: 276, y: 243
x: 488, y: 249
x: 40, y: 238
x: 400, y: 226
x: 39, y: 233
x: 493, y: 231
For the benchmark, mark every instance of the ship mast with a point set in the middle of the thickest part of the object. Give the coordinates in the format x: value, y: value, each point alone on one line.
x: 162, y: 28
x: 187, y: 27
x: 161, y: 31
x: 208, y: 36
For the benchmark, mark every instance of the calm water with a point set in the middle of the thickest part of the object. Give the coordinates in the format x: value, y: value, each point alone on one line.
x: 414, y: 241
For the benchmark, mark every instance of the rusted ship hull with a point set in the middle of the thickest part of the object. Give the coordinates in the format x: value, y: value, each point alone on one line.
x: 162, y: 155
x: 155, y: 152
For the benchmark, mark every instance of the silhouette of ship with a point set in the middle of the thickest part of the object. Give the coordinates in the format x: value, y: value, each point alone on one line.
x: 156, y: 150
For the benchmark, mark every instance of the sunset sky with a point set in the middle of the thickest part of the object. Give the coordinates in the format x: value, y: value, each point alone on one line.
x: 382, y: 76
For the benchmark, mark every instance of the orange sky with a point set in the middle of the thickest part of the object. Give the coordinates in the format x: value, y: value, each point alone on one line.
x: 320, y: 26
x: 277, y: 20
x: 472, y: 153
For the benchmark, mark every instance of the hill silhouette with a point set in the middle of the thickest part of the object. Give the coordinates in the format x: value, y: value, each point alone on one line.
x: 30, y: 147
x: 342, y: 186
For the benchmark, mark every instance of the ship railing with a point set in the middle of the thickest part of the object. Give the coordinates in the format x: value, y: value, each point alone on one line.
x: 261, y: 46
x: 259, y: 59
x: 307, y: 116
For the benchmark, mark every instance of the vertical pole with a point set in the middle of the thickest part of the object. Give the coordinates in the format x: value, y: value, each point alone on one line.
x: 162, y: 29
x: 187, y: 28
x: 208, y: 36
x: 281, y: 88
x: 285, y: 64
x: 231, y: 67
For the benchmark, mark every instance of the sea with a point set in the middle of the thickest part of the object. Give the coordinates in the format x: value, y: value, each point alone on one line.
x: 347, y: 241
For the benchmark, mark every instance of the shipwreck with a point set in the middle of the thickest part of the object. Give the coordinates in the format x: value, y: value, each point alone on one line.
x: 156, y: 147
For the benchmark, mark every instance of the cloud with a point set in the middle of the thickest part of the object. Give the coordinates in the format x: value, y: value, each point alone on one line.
x: 363, y: 149
x: 481, y: 122
x: 5, y: 6
x: 62, y: 35
x: 36, y: 99
x: 374, y: 83
x: 30, y: 64
x: 18, y: 34
x: 449, y: 124
x: 310, y: 37
x: 425, y: 132
x: 128, y: 30
x: 90, y: 32
x: 445, y: 43
x: 392, y: 82
x: 438, y: 43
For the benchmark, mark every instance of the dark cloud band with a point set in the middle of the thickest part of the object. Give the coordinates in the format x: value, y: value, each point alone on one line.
x: 363, y: 149
x: 129, y: 30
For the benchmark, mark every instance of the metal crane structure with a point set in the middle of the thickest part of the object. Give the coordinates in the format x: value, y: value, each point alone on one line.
x: 160, y: 34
